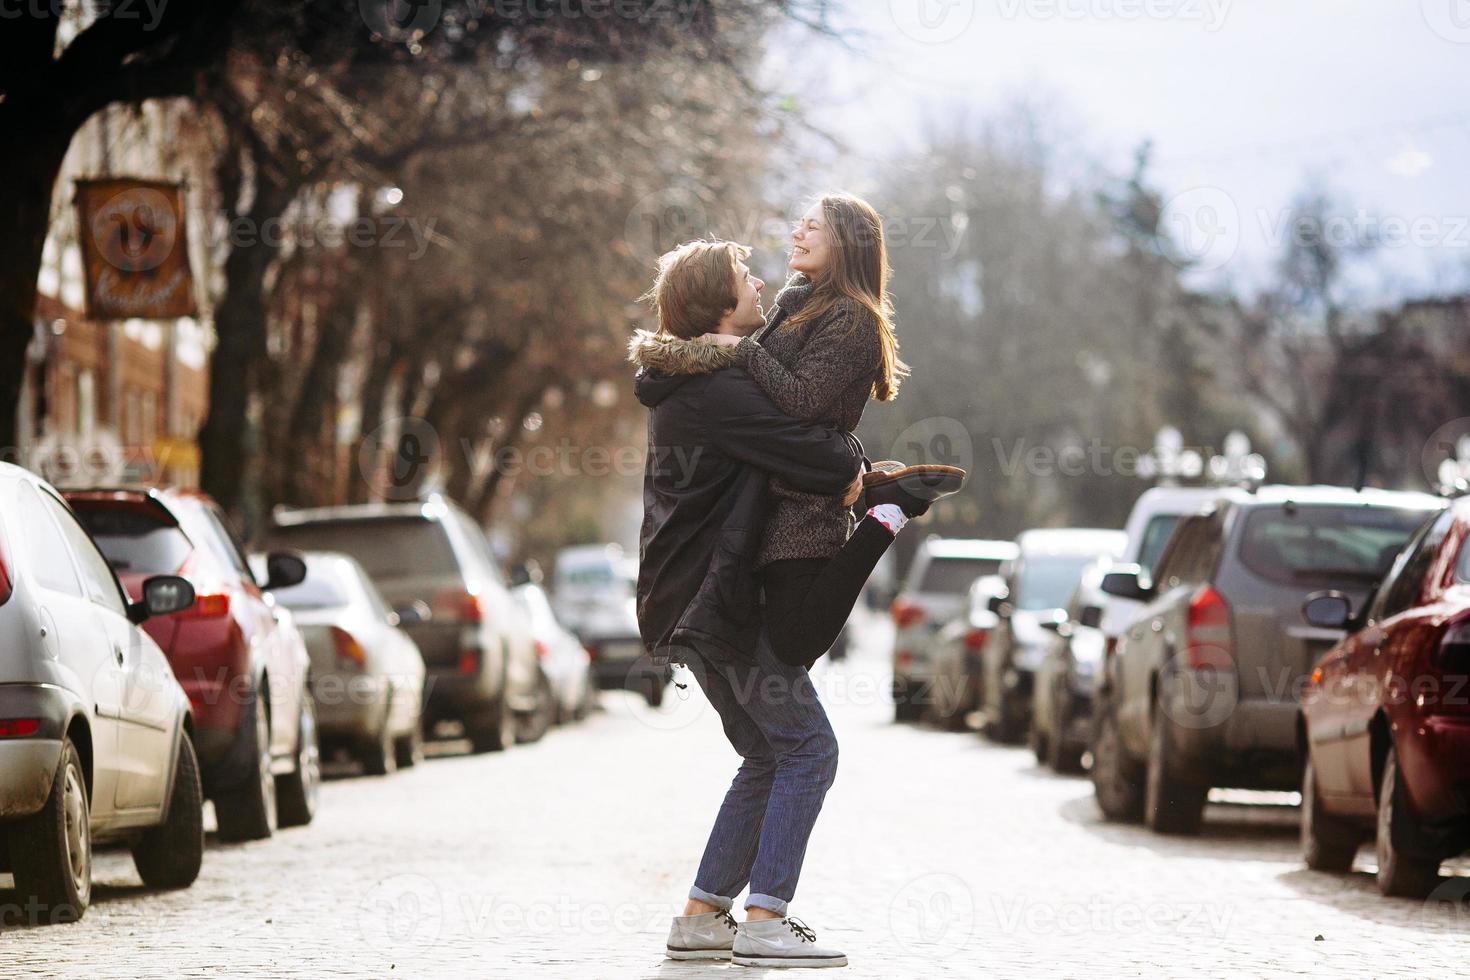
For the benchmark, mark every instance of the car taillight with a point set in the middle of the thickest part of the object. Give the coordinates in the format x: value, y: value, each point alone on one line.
x: 458, y: 606
x: 19, y: 727
x: 541, y: 649
x: 1110, y: 647
x: 469, y: 661
x: 975, y: 639
x: 212, y: 606
x: 906, y: 613
x: 591, y: 649
x: 904, y: 658
x: 347, y: 646
x: 1207, y: 632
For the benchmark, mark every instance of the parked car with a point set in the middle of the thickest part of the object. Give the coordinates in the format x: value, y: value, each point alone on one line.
x: 1202, y: 688
x: 96, y: 735
x: 367, y: 675
x: 564, y: 661
x: 1045, y: 571
x: 595, y: 594
x: 1061, y: 710
x: 235, y: 651
x: 434, y: 566
x: 955, y: 657
x: 934, y: 591
x: 1061, y: 699
x: 1385, y: 721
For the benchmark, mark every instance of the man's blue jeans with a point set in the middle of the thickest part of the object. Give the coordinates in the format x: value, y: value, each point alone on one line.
x: 773, y: 719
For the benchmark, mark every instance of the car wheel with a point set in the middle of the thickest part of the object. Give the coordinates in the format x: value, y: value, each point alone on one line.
x: 379, y: 756
x: 1006, y: 727
x: 248, y: 811
x: 495, y: 730
x: 1399, y: 873
x: 1114, y: 779
x: 51, y: 851
x: 1170, y: 804
x: 299, y: 789
x: 1039, y: 744
x: 1061, y: 756
x: 906, y: 706
x: 169, y: 855
x: 534, y: 726
x: 653, y: 690
x: 1328, y: 843
x: 409, y: 749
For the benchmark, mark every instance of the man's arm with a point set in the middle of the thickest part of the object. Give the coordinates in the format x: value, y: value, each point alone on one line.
x: 744, y: 423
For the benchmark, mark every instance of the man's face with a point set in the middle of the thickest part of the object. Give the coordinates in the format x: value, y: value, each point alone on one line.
x: 747, y: 316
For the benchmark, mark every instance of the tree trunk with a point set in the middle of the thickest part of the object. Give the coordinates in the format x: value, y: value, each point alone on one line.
x: 306, y: 476
x: 239, y: 322
x: 27, y: 181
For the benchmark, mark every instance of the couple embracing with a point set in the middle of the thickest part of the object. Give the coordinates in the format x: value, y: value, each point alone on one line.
x: 762, y: 520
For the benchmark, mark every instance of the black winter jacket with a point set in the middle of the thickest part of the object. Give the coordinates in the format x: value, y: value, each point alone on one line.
x: 714, y: 438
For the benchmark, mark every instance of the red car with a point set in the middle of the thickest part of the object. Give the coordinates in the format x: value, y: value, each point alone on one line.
x: 234, y: 651
x: 1386, y: 717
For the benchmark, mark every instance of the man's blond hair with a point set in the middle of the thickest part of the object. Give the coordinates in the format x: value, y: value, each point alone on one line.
x: 696, y: 287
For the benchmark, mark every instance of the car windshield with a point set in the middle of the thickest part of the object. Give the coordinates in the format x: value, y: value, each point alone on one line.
x: 1325, y: 544
x: 1155, y: 536
x: 134, y: 540
x: 386, y: 547
x: 954, y: 576
x: 1045, y: 581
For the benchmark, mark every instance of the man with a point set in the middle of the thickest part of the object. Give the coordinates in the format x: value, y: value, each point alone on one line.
x: 714, y: 438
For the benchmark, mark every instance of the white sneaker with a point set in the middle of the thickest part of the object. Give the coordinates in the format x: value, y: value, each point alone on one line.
x: 702, y: 937
x: 780, y: 943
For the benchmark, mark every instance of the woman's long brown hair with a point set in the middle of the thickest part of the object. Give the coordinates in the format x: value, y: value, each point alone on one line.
x: 859, y: 273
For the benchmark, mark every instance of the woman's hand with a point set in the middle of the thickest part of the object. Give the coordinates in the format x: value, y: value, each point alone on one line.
x: 723, y: 339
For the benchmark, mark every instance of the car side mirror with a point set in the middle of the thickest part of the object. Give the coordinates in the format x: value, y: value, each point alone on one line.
x: 1329, y: 610
x: 1090, y: 616
x: 1128, y: 582
x: 283, y: 569
x: 520, y: 574
x: 411, y: 613
x: 1051, y: 625
x: 1000, y: 605
x: 163, y: 595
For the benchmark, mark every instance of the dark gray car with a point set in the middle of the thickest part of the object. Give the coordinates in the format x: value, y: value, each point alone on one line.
x: 1203, y: 685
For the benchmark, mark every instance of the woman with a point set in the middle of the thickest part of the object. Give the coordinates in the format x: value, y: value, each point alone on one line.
x: 829, y: 346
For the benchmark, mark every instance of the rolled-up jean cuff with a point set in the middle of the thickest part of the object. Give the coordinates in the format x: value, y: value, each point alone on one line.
x: 718, y: 901
x: 767, y: 902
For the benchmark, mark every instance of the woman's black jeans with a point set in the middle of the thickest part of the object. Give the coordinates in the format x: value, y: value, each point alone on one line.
x: 809, y: 599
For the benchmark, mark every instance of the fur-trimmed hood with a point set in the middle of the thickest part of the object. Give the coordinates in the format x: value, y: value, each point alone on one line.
x: 666, y: 354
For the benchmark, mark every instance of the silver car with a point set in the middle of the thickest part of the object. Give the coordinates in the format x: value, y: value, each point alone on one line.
x: 367, y: 674
x: 564, y: 661
x: 95, y: 732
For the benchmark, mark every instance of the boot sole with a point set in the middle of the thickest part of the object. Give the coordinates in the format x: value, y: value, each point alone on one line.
x: 810, y: 962
x: 697, y: 954
x: 944, y: 479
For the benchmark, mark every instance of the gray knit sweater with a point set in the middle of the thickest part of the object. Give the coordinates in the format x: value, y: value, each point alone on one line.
x: 819, y: 371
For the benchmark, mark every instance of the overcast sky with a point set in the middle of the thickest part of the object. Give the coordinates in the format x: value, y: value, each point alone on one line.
x: 1244, y: 100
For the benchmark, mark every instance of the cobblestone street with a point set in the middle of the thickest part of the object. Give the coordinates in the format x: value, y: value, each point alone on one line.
x: 937, y: 855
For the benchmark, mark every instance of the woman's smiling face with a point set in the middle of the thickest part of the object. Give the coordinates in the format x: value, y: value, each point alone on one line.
x: 811, y: 250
